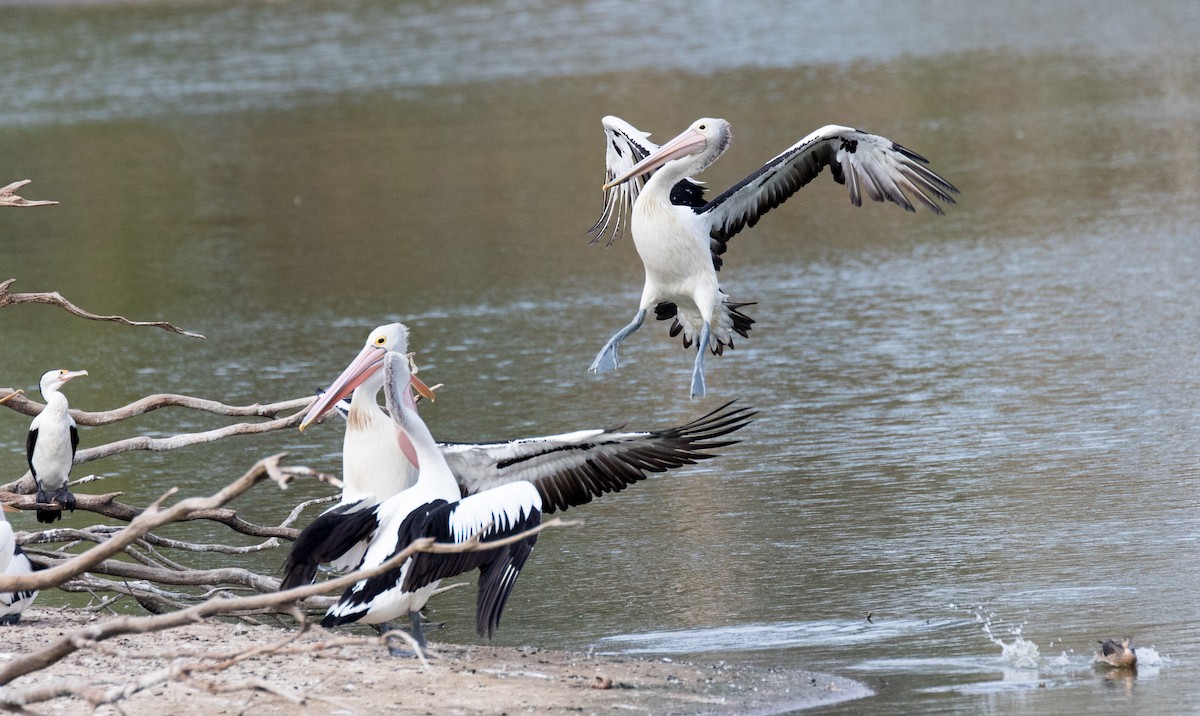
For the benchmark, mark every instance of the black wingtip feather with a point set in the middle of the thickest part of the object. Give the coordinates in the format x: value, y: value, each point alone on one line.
x: 328, y: 537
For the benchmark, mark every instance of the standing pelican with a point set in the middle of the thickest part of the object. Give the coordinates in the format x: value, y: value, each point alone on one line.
x: 680, y: 236
x: 50, y: 447
x: 14, y: 562
x: 433, y: 507
x: 378, y: 460
x: 567, y: 469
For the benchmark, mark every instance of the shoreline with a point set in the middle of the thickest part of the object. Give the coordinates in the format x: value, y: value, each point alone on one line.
x: 358, y: 678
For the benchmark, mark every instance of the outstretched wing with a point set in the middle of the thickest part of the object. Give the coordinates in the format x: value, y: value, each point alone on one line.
x: 573, y: 468
x: 865, y: 163
x: 625, y: 146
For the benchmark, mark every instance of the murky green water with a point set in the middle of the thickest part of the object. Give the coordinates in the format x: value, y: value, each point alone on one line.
x: 981, y: 428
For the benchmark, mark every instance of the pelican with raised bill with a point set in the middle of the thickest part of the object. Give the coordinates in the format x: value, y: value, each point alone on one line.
x: 433, y: 507
x: 567, y: 470
x: 680, y: 236
x: 50, y: 447
x: 13, y: 562
x: 378, y: 460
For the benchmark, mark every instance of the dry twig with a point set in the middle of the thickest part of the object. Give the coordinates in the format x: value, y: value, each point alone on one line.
x: 54, y: 298
x: 8, y: 196
x: 154, y: 402
x: 81, y: 638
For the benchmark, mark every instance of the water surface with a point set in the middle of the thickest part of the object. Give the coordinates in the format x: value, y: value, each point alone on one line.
x: 978, y: 428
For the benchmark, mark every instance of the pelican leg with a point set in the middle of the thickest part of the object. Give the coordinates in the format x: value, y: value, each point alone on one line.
x: 10, y: 619
x: 414, y: 620
x: 418, y: 634
x: 606, y: 359
x: 698, y: 368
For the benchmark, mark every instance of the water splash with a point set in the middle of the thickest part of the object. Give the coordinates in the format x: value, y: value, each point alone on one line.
x: 1019, y: 653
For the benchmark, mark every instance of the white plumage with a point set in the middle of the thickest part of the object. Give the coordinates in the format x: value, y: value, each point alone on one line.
x: 50, y: 447
x: 680, y: 236
x: 432, y: 508
x: 567, y: 470
x: 14, y: 562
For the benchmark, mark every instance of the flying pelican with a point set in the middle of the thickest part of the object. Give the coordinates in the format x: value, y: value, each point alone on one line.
x: 50, y: 447
x: 567, y: 470
x: 680, y: 236
x: 1121, y: 656
x: 13, y: 561
x: 434, y: 507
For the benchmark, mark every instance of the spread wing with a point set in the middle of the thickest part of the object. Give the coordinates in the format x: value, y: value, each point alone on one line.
x: 624, y: 146
x: 573, y: 468
x: 866, y: 163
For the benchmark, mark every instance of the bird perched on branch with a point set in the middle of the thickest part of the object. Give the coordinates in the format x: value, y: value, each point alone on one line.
x: 680, y: 235
x: 13, y: 562
x: 1121, y: 656
x: 50, y: 447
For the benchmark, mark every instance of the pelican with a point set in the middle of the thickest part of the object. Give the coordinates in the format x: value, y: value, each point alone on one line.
x: 1121, y: 656
x: 377, y: 459
x: 13, y: 561
x: 567, y: 469
x: 434, y: 507
x: 50, y: 447
x: 680, y: 236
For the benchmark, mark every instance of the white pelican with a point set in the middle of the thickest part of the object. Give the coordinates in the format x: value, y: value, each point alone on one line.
x: 13, y: 561
x: 50, y: 447
x: 433, y: 507
x: 680, y: 236
x: 377, y: 458
x: 569, y: 469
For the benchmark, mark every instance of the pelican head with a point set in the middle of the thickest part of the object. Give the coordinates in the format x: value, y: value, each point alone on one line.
x: 53, y: 380
x: 364, y: 370
x: 700, y: 144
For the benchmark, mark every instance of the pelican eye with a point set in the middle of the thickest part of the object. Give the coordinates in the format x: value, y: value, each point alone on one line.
x: 381, y: 340
x: 702, y: 127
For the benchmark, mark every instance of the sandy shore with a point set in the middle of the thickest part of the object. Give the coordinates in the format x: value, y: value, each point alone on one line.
x: 359, y: 679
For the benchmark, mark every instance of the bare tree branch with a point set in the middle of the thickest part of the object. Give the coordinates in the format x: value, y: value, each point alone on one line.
x: 69, y: 643
x: 150, y: 518
x: 8, y: 196
x: 107, y: 506
x: 154, y: 402
x: 54, y: 298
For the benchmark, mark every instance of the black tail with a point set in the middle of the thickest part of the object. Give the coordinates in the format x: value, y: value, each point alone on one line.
x: 741, y: 323
x: 328, y: 537
x: 49, y: 516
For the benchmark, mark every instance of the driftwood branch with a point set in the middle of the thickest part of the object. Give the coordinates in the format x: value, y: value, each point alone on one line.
x: 108, y: 506
x: 187, y: 665
x: 11, y: 398
x: 8, y: 196
x: 72, y: 642
x: 54, y: 298
x: 152, y: 517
